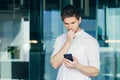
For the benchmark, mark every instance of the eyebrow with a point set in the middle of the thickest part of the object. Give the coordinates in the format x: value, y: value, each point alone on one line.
x: 70, y: 23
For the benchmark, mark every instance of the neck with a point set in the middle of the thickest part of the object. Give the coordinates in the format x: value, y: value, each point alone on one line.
x: 78, y: 29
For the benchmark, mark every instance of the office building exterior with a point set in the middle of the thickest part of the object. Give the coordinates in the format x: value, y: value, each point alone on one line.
x: 28, y: 29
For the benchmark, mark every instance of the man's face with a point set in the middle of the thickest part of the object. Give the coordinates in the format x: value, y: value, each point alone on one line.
x: 71, y: 23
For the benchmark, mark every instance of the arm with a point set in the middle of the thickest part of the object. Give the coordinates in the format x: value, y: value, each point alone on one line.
x: 57, y: 59
x: 93, y: 57
x: 87, y: 70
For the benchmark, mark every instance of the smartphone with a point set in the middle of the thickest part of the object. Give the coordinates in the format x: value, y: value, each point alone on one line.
x: 68, y: 56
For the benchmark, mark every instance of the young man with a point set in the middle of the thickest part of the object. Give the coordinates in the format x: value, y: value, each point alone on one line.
x: 83, y: 47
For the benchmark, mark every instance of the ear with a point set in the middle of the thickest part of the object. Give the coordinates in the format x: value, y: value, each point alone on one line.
x: 79, y: 20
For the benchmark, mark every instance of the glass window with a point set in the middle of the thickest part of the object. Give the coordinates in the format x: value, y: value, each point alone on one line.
x: 108, y: 37
x: 14, y: 39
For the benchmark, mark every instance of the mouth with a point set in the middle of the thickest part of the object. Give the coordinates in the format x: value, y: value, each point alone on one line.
x: 70, y: 30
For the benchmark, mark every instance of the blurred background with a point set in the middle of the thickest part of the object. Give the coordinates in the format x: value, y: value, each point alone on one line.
x: 28, y: 29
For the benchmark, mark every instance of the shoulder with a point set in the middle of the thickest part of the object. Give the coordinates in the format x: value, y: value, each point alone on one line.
x: 62, y: 36
x: 88, y: 38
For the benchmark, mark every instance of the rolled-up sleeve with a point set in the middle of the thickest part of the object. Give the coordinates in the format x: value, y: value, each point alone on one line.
x: 93, y: 54
x: 56, y: 47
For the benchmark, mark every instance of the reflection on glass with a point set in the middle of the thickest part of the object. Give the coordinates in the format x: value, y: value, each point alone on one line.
x: 53, y: 28
x: 13, y: 52
x: 109, y: 40
x: 14, y: 37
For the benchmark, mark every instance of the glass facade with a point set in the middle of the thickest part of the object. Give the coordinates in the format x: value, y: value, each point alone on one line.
x: 28, y: 29
x: 14, y: 39
x: 108, y: 37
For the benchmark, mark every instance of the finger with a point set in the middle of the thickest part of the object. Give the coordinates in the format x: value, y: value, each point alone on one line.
x: 68, y: 65
x: 68, y: 61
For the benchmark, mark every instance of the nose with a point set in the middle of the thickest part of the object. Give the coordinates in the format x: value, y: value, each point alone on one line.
x: 69, y: 26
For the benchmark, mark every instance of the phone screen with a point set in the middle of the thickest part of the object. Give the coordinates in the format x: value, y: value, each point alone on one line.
x: 68, y: 56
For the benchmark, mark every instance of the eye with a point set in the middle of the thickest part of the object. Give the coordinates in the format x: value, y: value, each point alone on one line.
x: 66, y: 23
x: 73, y: 23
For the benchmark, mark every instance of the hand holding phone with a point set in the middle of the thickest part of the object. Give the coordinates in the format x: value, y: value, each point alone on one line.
x: 68, y: 56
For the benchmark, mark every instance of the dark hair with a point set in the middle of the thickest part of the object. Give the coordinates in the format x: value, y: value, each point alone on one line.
x: 70, y: 11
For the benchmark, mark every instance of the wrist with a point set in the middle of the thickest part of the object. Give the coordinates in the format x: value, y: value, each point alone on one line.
x: 69, y: 41
x: 78, y: 66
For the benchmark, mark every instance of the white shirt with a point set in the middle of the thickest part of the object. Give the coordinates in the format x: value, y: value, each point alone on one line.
x: 85, y: 48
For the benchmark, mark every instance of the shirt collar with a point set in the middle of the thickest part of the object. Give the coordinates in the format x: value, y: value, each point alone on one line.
x: 79, y: 33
